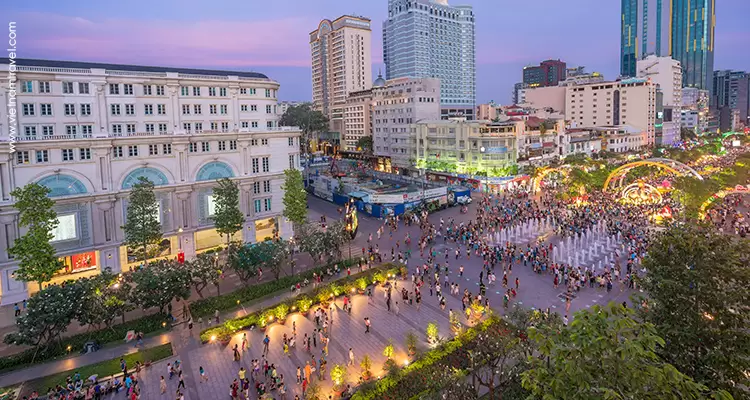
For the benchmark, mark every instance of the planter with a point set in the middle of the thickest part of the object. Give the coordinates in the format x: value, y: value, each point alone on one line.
x: 366, y: 376
x: 360, y: 291
x: 225, y: 342
x: 338, y: 390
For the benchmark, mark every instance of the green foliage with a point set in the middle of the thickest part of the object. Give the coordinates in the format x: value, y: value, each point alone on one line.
x: 692, y: 192
x: 388, y: 350
x: 142, y: 228
x: 698, y: 286
x: 204, y: 270
x: 271, y: 255
x: 365, y: 144
x: 295, y: 197
x: 304, y: 303
x: 604, y: 353
x: 243, y: 260
x: 432, y: 332
x: 339, y: 376
x: 366, y: 364
x: 160, y: 282
x: 227, y: 217
x: 411, y: 342
x: 105, y: 298
x: 323, y: 245
x: 308, y: 120
x: 36, y: 257
x: 281, y: 311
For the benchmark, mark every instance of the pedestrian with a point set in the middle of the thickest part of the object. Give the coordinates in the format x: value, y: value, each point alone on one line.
x: 216, y: 316
x: 162, y: 385
x: 266, y: 342
x: 351, y: 356
x: 182, y: 381
x: 244, y: 341
x: 16, y: 310
x: 299, y: 375
x: 367, y: 324
x: 204, y: 377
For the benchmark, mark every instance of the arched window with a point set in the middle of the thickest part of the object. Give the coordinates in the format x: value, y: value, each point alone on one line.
x: 63, y: 185
x: 152, y: 174
x: 213, y: 171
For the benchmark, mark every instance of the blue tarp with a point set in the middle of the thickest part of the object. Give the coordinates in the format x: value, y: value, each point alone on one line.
x: 340, y: 199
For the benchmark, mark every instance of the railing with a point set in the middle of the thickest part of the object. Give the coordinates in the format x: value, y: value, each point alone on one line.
x: 132, y: 134
x: 196, y: 76
x: 52, y: 69
x: 53, y: 137
x: 134, y: 73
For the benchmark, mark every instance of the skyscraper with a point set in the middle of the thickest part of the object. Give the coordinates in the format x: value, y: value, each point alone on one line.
x: 547, y: 73
x: 681, y: 29
x: 431, y: 39
x: 731, y: 89
x: 340, y: 51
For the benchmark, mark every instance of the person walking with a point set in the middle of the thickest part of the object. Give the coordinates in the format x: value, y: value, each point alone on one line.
x: 351, y: 356
x: 182, y: 381
x: 162, y: 385
x: 266, y: 342
x: 367, y: 324
x: 202, y: 372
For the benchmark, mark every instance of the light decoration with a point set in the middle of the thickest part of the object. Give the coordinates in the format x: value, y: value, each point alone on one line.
x: 640, y: 193
x: 720, y: 195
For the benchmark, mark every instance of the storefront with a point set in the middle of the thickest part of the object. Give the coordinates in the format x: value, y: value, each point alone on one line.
x: 130, y: 257
x: 81, y: 262
x: 209, y: 239
x: 266, y: 229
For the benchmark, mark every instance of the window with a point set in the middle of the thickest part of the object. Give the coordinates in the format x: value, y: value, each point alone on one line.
x: 127, y: 88
x: 251, y: 91
x: 205, y: 147
x: 184, y: 91
x: 253, y: 142
x: 266, y: 204
x: 147, y: 90
x: 243, y: 91
x: 211, y: 205
x: 193, y: 148
x: 116, y: 129
x: 256, y: 187
x: 153, y: 149
x: 162, y: 128
x: 212, y: 91
x: 67, y: 155
x: 87, y: 130
x: 269, y: 124
x: 70, y: 130
x: 117, y: 152
x: 161, y: 109
x: 244, y: 124
x: 243, y: 107
x: 266, y: 164
x: 48, y: 130
x: 197, y: 109
x: 264, y: 142
x: 42, y: 156
x: 214, y: 126
x: 28, y: 109
x: 185, y: 109
x: 254, y: 124
x: 223, y: 109
x: 84, y: 154
x: 291, y: 142
x: 268, y: 109
x: 67, y: 87
x: 160, y: 90
x: 266, y: 186
x: 268, y: 92
x: 45, y: 109
x: 166, y: 148
x: 232, y: 145
x: 65, y: 229
x: 256, y: 166
x: 70, y: 109
x: 186, y: 127
x: 22, y: 157
x: 253, y: 107
x: 44, y: 87
x: 225, y: 126
x: 223, y: 92
x: 196, y: 91
x: 85, y: 109
x: 257, y: 204
x: 291, y: 162
x: 27, y: 87
x: 132, y: 151
x: 198, y: 127
x: 222, y: 145
x: 115, y: 109
x: 129, y: 109
x: 212, y: 109
x: 114, y: 88
x: 83, y: 88
x: 130, y: 129
x: 149, y: 128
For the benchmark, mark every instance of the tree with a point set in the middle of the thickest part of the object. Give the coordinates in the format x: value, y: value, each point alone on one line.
x: 295, y: 197
x: 106, y: 297
x: 605, y: 354
x: 36, y: 256
x: 698, y: 286
x: 687, y: 134
x: 272, y: 255
x: 142, y: 227
x: 307, y: 119
x: 365, y: 144
x: 692, y: 192
x: 311, y: 240
x: 204, y: 270
x: 228, y: 218
x: 243, y: 261
x: 160, y: 282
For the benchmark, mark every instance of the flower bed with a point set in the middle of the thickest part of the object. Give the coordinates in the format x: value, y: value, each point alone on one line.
x: 426, y: 373
x: 148, y: 324
x: 323, y: 294
x: 229, y: 301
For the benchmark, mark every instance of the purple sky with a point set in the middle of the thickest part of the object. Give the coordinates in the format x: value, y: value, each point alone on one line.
x: 272, y: 36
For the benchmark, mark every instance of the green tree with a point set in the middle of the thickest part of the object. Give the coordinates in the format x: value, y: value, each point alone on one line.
x: 243, y: 261
x: 36, y: 256
x: 273, y: 255
x: 160, y: 282
x: 698, y: 286
x: 311, y: 240
x: 105, y: 299
x: 295, y: 197
x: 204, y: 270
x: 498, y: 357
x: 692, y: 192
x: 142, y: 227
x: 688, y: 134
x: 605, y: 354
x: 365, y: 144
x: 228, y: 218
x: 308, y: 120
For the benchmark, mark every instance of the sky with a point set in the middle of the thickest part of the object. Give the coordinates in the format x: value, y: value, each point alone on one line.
x: 272, y: 37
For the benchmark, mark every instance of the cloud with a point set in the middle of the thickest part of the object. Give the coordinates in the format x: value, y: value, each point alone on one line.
x: 280, y: 42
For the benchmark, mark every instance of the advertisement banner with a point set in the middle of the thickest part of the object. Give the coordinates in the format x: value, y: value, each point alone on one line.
x: 386, y: 198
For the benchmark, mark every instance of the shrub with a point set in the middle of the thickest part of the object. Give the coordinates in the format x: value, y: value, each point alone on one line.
x: 304, y: 303
x: 339, y: 376
x: 432, y: 332
x: 411, y: 343
x: 361, y: 283
x: 388, y: 350
x: 281, y: 311
x: 366, y: 365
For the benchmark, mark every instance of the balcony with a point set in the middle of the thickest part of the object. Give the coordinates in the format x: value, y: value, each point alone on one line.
x: 54, y: 137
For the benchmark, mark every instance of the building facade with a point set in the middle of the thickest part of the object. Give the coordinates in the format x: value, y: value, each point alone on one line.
x: 397, y: 105
x: 621, y: 139
x: 341, y: 64
x: 681, y: 29
x: 666, y: 72
x: 547, y: 73
x: 627, y: 102
x: 732, y: 89
x: 89, y: 131
x: 694, y: 113
x: 357, y: 118
x: 432, y: 39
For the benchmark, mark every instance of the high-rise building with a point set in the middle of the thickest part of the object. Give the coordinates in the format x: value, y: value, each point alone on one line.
x: 667, y: 73
x: 681, y: 29
x: 340, y: 51
x: 89, y: 131
x: 547, y: 73
x: 432, y: 39
x: 732, y: 89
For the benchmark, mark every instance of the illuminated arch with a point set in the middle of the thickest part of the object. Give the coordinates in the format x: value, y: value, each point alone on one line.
x: 720, y: 195
x: 648, y: 194
x: 672, y: 166
x: 152, y: 174
x: 213, y: 171
x: 544, y: 171
x: 62, y: 185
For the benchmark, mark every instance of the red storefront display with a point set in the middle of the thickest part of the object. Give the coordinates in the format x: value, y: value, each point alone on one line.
x: 79, y: 262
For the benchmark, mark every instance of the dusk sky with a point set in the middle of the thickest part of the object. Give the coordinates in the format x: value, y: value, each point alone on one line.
x: 272, y: 36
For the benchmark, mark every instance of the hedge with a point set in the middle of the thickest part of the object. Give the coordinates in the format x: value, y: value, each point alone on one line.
x: 426, y: 373
x: 303, y: 303
x: 227, y: 302
x: 148, y: 324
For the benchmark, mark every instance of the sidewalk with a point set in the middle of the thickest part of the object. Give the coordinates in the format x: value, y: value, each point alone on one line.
x: 174, y: 336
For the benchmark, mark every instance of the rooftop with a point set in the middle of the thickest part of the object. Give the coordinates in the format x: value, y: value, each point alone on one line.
x: 28, y: 62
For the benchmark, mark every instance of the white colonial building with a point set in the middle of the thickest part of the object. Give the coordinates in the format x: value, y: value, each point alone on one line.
x: 89, y: 131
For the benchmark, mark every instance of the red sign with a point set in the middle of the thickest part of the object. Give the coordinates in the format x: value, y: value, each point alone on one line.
x: 83, y: 261
x: 181, y: 257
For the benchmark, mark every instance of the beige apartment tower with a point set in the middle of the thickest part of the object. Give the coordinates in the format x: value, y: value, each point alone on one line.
x: 341, y: 64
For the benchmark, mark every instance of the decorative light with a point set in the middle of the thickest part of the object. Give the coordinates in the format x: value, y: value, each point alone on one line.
x: 213, y: 337
x: 406, y: 363
x: 70, y: 347
x: 163, y: 324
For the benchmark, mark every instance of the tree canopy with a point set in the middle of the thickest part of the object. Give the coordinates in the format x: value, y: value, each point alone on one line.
x: 295, y: 197
x: 228, y: 218
x: 142, y: 227
x: 308, y: 120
